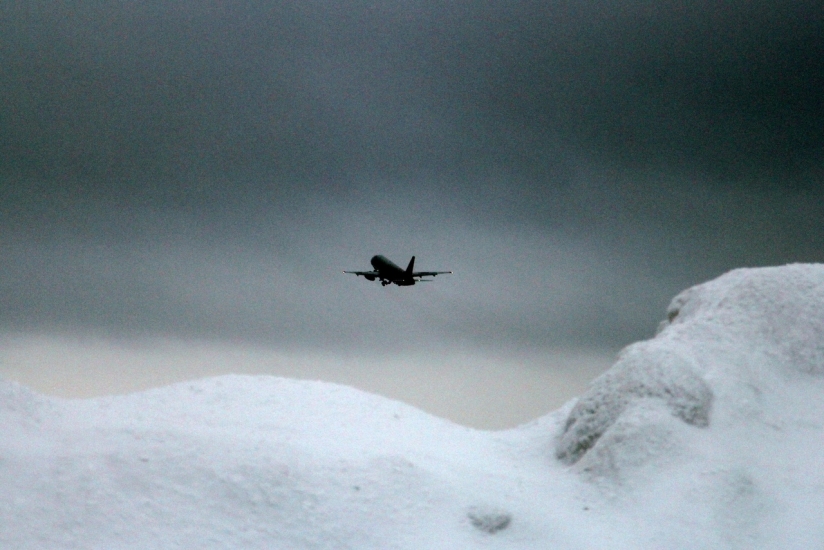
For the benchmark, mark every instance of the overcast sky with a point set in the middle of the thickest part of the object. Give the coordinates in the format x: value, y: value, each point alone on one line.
x: 199, y: 173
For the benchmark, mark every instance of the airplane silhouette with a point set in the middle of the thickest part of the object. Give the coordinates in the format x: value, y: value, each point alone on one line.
x: 389, y: 273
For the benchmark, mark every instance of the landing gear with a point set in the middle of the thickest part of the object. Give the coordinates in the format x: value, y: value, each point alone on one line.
x: 384, y: 283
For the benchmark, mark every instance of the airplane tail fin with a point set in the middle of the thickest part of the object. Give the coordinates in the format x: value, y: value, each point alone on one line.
x: 410, y: 267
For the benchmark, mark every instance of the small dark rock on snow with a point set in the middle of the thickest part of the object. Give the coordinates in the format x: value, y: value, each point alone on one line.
x: 489, y: 521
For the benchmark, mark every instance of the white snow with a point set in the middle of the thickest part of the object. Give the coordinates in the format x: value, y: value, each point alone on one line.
x: 710, y: 435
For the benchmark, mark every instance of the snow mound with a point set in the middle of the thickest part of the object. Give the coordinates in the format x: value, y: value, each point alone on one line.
x: 747, y: 336
x: 645, y: 371
x: 771, y: 315
x: 709, y: 435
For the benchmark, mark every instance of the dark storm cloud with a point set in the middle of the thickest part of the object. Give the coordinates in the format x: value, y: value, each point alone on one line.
x: 206, y: 169
x: 109, y: 90
x: 721, y: 88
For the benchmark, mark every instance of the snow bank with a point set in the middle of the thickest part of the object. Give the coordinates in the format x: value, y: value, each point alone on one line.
x: 718, y: 421
x: 643, y: 372
x: 710, y: 435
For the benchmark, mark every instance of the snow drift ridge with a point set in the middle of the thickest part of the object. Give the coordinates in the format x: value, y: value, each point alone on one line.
x: 734, y: 333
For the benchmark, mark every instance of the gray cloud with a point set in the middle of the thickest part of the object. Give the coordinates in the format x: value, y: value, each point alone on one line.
x: 207, y: 170
x: 333, y: 91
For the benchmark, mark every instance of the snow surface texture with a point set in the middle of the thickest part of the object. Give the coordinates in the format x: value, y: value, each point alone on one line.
x: 710, y: 435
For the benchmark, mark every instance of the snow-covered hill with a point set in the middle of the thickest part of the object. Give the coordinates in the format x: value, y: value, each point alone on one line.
x: 710, y: 435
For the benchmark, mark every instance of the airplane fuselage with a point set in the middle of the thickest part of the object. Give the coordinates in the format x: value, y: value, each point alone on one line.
x: 388, y: 272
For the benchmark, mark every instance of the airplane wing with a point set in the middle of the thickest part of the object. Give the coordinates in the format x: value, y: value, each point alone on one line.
x: 364, y: 273
x: 429, y: 273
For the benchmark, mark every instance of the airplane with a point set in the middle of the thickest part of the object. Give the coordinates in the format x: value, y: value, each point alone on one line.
x: 389, y: 273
